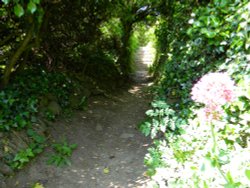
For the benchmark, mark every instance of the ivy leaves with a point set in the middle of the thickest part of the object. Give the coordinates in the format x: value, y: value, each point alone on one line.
x: 5, y: 1
x: 161, y: 119
x: 18, y: 10
x: 32, y: 7
x: 21, y: 8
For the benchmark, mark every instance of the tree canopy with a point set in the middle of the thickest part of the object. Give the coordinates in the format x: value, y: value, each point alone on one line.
x: 60, y: 50
x: 63, y: 34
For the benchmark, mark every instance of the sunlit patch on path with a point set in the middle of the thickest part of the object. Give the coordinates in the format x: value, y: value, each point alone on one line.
x: 144, y: 59
x: 110, y: 148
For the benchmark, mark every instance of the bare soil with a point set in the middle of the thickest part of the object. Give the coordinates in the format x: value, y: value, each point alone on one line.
x: 110, y: 149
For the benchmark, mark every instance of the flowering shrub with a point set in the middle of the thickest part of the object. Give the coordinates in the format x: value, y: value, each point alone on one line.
x: 213, y: 150
x: 213, y: 90
x: 209, y: 155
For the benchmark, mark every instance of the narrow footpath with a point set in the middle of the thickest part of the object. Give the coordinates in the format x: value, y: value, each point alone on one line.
x: 110, y: 149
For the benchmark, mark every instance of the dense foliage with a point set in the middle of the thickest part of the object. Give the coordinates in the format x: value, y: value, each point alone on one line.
x: 20, y: 101
x: 50, y: 35
x: 210, y: 148
x: 55, y: 54
x: 45, y: 45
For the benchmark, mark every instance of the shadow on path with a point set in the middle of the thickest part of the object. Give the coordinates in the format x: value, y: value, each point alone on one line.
x: 107, y: 138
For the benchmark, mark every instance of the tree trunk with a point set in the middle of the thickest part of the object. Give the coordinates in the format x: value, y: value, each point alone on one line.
x: 15, y: 57
x: 125, y: 54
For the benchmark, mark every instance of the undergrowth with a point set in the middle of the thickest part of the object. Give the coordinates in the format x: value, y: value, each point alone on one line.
x: 19, y: 101
x: 201, y: 144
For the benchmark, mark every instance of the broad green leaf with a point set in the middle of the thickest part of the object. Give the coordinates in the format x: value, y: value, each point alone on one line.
x: 30, y: 132
x: 38, y: 185
x: 36, y: 1
x: 247, y: 172
x: 205, y: 20
x: 32, y: 7
x: 210, y: 34
x: 190, y: 31
x: 106, y: 170
x: 18, y: 10
x: 24, y: 160
x: 215, y: 21
x: 205, y: 184
x: 197, y: 24
x: 145, y: 128
x: 38, y: 150
x: 5, y: 1
x: 229, y: 178
x: 247, y: 45
x: 39, y: 139
x: 159, y: 104
x: 151, y: 113
x: 223, y: 3
x: 73, y: 146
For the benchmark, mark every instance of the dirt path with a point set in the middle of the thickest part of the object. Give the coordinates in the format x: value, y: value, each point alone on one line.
x: 107, y: 138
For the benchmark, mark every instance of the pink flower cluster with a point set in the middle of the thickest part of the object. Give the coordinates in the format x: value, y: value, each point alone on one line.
x: 214, y: 90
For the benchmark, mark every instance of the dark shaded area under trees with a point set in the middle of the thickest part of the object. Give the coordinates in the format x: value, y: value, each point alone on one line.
x: 66, y: 36
x: 55, y: 54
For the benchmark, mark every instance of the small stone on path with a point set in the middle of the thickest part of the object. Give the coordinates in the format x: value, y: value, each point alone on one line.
x: 5, y: 169
x: 99, y: 128
x: 127, y: 135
